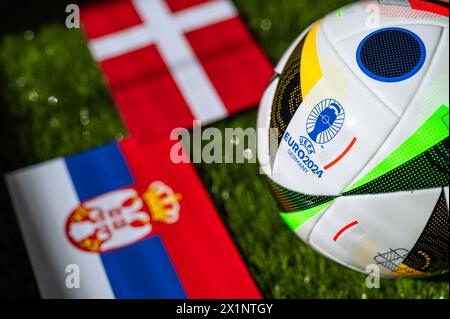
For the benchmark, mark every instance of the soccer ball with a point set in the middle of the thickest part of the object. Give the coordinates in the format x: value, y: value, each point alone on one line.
x: 355, y: 139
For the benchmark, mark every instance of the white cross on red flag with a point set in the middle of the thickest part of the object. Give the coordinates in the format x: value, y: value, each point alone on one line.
x: 169, y: 62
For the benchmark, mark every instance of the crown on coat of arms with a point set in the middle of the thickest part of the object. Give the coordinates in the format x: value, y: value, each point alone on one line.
x: 163, y: 202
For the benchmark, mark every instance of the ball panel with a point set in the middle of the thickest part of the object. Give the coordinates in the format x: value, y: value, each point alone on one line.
x: 341, y: 145
x: 296, y: 80
x: 446, y: 189
x: 427, y: 170
x: 419, y: 162
x: 297, y: 220
x: 288, y: 95
x: 383, y: 223
x: 391, y: 54
x: 430, y: 96
x: 310, y: 70
x: 264, y: 139
x: 306, y: 228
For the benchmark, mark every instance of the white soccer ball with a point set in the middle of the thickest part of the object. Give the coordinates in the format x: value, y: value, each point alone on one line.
x: 355, y: 140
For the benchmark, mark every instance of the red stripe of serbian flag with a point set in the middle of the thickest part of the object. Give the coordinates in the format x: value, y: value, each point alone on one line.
x: 169, y: 62
x: 134, y: 225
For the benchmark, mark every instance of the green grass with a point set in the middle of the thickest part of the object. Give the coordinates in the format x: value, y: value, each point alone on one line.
x: 57, y: 63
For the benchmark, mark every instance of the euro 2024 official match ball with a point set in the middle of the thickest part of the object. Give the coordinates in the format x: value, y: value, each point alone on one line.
x: 356, y: 142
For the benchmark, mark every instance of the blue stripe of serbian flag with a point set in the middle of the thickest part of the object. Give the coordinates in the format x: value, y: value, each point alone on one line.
x: 137, y: 226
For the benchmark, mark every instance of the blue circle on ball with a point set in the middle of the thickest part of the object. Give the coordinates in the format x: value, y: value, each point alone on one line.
x: 391, y: 54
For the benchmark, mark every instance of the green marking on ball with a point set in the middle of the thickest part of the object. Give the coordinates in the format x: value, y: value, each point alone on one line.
x: 433, y: 131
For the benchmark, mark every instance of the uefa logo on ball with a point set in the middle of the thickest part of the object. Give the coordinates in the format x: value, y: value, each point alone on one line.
x: 325, y: 121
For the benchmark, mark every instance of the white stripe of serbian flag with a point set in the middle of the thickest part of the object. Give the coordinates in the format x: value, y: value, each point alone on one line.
x: 173, y: 61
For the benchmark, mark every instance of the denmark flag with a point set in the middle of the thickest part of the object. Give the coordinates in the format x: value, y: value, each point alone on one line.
x: 132, y: 222
x: 169, y: 62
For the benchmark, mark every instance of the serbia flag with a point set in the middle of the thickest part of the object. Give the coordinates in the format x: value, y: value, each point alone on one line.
x: 130, y: 223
